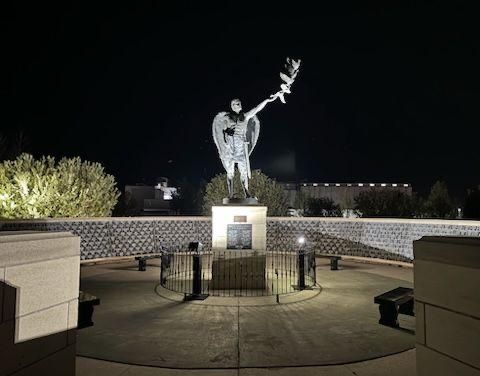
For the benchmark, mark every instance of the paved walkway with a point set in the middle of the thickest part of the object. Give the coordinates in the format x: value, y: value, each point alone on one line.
x: 402, y: 364
x: 337, y: 326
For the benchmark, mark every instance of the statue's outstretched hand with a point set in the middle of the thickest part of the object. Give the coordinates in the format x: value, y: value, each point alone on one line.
x: 274, y: 96
x: 278, y: 94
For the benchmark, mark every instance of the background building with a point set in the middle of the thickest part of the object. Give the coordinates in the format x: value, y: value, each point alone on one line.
x: 150, y: 199
x: 342, y: 194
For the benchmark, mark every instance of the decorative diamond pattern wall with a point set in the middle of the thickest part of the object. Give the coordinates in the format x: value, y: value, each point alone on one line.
x: 109, y: 237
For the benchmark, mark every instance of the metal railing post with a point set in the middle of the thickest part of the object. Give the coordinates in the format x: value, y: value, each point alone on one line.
x: 197, y: 275
x: 301, y: 270
x: 194, y: 248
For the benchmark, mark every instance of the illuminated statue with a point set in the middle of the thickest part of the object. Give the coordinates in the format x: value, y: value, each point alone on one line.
x: 236, y: 132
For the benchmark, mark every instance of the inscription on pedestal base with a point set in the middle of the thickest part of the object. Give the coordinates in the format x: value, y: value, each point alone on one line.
x: 239, y: 236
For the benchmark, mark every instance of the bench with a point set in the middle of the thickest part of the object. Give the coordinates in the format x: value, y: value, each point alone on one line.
x: 142, y: 260
x: 86, y: 303
x: 333, y: 259
x: 393, y: 302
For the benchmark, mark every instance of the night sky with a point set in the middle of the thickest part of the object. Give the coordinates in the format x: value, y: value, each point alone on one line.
x: 385, y: 93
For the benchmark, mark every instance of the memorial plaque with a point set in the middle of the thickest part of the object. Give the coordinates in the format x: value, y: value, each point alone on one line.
x: 239, y: 236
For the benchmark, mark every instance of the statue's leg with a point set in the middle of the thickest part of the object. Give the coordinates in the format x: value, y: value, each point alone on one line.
x: 230, y: 187
x: 242, y: 167
x: 230, y: 174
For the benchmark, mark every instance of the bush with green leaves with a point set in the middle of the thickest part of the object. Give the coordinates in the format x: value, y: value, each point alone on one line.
x: 261, y: 186
x: 42, y: 188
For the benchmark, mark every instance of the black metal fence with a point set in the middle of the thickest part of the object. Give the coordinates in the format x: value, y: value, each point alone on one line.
x: 198, y: 274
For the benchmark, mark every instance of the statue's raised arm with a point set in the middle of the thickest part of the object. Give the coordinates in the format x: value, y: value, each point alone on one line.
x: 236, y: 132
x: 261, y: 106
x: 292, y: 67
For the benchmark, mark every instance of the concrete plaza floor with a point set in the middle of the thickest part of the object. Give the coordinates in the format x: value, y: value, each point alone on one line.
x: 333, y: 332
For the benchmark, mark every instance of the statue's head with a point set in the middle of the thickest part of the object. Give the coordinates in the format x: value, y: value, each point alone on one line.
x: 236, y: 105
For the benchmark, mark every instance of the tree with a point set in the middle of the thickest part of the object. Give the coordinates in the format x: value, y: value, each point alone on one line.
x: 472, y: 204
x: 189, y: 199
x: 439, y: 204
x: 385, y: 203
x: 301, y: 200
x: 260, y: 186
x: 322, y: 207
x: 43, y: 188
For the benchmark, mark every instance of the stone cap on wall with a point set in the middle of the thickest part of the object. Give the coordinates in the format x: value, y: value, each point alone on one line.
x: 381, y: 220
x: 451, y: 222
x: 22, y: 247
x: 108, y: 219
x: 463, y: 251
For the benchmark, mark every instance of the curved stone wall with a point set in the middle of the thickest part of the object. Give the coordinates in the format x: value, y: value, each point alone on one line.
x: 110, y: 237
x: 382, y: 238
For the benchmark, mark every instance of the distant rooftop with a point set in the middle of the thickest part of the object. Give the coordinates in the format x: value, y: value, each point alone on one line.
x: 405, y: 185
x: 356, y: 184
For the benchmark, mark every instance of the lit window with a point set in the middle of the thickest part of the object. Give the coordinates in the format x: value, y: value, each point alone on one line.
x: 394, y: 185
x: 326, y: 184
x: 360, y: 184
x: 372, y: 185
x: 384, y: 185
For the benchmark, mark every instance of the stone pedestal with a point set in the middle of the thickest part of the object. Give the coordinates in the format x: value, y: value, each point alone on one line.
x: 239, y: 235
x: 244, y: 271
x: 234, y: 221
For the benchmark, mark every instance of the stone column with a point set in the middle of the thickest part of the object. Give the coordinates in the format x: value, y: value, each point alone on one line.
x: 39, y: 287
x: 447, y: 305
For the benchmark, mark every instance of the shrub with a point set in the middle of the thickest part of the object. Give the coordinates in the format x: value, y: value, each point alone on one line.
x: 260, y: 186
x: 42, y: 188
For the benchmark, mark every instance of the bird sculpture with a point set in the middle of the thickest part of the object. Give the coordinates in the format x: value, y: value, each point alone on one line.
x: 292, y: 66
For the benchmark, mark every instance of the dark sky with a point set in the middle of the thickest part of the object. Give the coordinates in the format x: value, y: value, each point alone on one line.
x: 385, y: 93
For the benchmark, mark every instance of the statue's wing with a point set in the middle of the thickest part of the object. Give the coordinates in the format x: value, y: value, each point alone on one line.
x: 218, y: 125
x: 253, y: 130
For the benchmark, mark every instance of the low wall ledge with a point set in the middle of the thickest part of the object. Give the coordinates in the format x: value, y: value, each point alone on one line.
x: 24, y: 247
x: 462, y: 251
x: 13, y: 236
